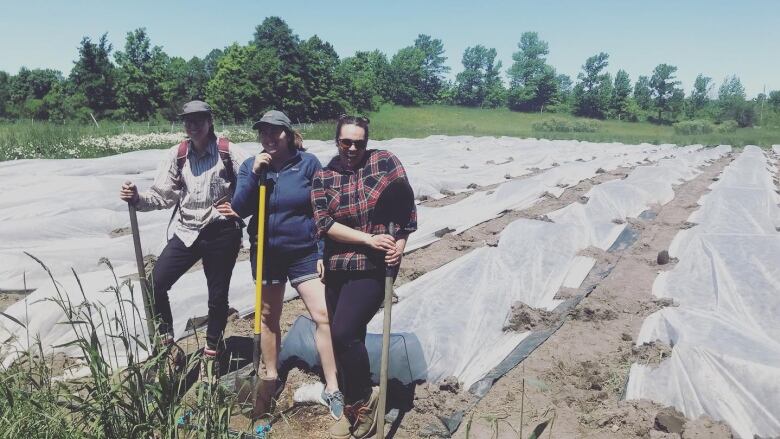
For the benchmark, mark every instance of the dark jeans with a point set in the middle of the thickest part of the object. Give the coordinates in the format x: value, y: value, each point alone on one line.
x: 217, y: 245
x: 353, y: 297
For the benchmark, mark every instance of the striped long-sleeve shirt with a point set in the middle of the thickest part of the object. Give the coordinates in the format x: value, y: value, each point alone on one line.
x: 203, y: 181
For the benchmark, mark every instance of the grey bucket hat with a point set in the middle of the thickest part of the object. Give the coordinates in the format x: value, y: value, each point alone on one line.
x: 273, y: 117
x: 195, y: 107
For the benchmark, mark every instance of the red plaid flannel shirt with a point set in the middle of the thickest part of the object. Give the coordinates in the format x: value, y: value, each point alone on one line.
x: 348, y: 197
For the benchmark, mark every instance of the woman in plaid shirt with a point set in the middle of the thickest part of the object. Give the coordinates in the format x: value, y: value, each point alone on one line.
x: 344, y: 195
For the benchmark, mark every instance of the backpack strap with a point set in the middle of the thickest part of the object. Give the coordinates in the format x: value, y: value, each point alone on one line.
x: 181, y: 155
x: 223, y: 146
x: 181, y: 159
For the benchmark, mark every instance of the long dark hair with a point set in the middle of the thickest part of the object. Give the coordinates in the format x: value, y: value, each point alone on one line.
x: 346, y: 119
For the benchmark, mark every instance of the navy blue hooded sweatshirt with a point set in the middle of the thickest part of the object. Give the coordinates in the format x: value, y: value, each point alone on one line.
x: 289, y: 224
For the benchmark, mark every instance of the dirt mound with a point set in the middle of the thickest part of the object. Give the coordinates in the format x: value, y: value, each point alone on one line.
x: 122, y: 231
x: 652, y: 353
x: 432, y: 402
x: 566, y: 293
x: 643, y: 418
x: 657, y: 304
x: 592, y: 313
x: 601, y: 256
x: 524, y: 318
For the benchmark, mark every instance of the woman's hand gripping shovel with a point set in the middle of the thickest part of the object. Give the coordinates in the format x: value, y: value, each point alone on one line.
x: 394, y: 209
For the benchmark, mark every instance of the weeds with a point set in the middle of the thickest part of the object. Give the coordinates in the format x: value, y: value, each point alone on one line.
x: 564, y: 126
x: 122, y: 397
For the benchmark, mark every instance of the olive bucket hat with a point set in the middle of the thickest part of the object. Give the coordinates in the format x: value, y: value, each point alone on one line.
x: 195, y: 107
x: 273, y: 117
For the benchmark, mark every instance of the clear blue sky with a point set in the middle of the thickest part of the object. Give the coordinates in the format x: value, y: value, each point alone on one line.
x: 715, y: 37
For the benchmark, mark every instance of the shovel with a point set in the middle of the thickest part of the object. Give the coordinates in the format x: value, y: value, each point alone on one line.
x: 139, y: 260
x: 382, y: 403
x: 252, y: 388
x: 394, y: 208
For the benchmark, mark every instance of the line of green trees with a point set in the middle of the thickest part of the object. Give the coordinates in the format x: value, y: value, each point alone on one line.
x: 306, y: 79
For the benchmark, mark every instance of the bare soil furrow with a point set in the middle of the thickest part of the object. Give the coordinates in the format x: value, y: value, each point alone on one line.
x: 577, y: 376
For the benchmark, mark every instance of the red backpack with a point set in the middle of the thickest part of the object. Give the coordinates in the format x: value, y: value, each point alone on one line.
x: 223, y: 146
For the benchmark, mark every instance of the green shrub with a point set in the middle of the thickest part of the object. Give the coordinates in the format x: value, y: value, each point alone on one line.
x: 690, y: 127
x: 728, y: 127
x: 564, y: 126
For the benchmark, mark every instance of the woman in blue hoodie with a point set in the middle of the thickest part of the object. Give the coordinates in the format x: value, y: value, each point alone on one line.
x: 292, y: 251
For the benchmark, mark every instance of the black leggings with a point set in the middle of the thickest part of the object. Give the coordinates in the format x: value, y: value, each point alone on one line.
x: 353, y: 298
x: 218, y: 245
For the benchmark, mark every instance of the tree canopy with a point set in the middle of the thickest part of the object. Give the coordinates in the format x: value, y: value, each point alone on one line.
x: 308, y: 80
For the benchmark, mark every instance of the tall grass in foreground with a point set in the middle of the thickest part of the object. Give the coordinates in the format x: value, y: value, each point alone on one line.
x: 138, y: 400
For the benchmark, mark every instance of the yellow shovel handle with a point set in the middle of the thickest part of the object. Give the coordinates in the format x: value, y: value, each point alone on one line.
x: 260, y: 242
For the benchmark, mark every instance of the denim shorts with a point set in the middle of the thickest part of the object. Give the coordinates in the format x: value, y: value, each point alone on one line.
x: 278, y: 268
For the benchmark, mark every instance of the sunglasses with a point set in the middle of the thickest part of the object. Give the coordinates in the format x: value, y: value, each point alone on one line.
x: 347, y: 143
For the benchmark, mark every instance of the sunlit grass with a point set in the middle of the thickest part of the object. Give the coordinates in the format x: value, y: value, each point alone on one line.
x: 30, y: 139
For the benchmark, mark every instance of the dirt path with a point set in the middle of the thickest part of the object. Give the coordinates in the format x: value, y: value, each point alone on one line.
x: 579, y: 373
x: 312, y: 421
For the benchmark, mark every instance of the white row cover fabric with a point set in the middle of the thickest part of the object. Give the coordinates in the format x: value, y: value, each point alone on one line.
x: 620, y: 199
x: 64, y: 210
x: 486, y: 205
x: 725, y: 333
x: 188, y: 296
x: 454, y: 316
x: 451, y: 163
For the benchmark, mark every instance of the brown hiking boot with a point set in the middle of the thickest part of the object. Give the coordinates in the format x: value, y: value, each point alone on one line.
x: 342, y: 429
x: 363, y: 415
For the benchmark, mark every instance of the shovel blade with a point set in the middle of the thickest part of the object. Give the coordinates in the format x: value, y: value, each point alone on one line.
x: 255, y: 391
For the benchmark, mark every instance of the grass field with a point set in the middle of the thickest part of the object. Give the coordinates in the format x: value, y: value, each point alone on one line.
x: 28, y: 139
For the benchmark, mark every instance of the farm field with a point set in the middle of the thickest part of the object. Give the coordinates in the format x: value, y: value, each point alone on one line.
x: 35, y: 139
x: 532, y: 296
